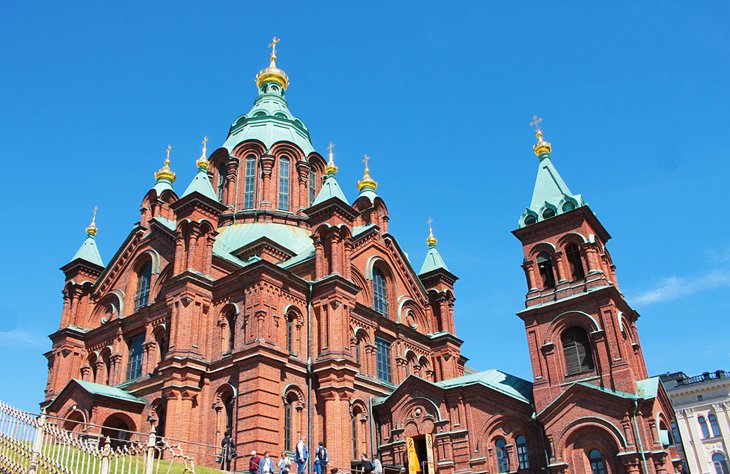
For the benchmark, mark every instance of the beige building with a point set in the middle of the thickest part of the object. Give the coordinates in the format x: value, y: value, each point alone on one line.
x: 702, y: 406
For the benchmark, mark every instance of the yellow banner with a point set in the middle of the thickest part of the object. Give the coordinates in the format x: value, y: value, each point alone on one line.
x: 414, y: 466
x: 429, y: 454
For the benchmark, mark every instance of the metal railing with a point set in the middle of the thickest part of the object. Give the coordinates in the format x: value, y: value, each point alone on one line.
x: 38, y: 444
x: 718, y: 374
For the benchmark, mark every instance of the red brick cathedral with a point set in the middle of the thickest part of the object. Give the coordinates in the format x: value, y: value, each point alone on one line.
x: 261, y: 300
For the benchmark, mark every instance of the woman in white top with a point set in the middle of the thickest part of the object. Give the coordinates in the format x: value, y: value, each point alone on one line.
x: 284, y: 463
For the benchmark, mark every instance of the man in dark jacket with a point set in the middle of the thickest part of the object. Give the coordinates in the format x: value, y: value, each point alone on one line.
x: 228, y: 451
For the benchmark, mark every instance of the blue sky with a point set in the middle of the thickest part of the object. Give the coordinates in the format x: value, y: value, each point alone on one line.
x: 634, y: 100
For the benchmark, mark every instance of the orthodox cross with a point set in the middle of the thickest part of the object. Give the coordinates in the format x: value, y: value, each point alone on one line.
x: 536, y: 123
x: 93, y: 218
x: 205, y: 140
x: 169, y: 148
x: 429, y: 221
x: 273, y: 44
x: 331, y: 147
x: 365, y: 160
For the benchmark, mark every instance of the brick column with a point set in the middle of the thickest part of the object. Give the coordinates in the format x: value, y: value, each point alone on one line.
x: 231, y: 174
x: 267, y: 166
x: 303, y: 171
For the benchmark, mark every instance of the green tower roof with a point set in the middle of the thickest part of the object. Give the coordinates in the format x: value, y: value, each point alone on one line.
x: 330, y: 189
x: 89, y: 252
x: 433, y: 262
x: 201, y: 184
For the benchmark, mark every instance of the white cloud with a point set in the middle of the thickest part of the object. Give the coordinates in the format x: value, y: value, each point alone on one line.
x: 673, y: 287
x: 20, y: 339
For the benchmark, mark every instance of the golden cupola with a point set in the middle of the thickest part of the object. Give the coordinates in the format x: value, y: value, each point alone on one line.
x: 165, y: 172
x: 202, y: 163
x: 541, y: 147
x: 367, y: 182
x: 272, y: 73
x: 331, y: 168
x: 92, y: 230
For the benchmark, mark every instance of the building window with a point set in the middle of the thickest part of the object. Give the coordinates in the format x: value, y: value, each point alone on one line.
x: 134, y: 363
x: 284, y: 183
x: 290, y: 334
x: 221, y: 180
x: 676, y: 439
x: 357, y: 351
x: 380, y: 292
x: 313, y: 188
x: 703, y: 427
x: 576, y: 351
x: 231, y: 322
x: 720, y: 463
x: 144, y: 275
x: 382, y: 348
x: 354, y: 438
x: 596, y: 459
x: 545, y: 265
x: 287, y: 425
x: 249, y: 178
x: 502, y: 458
x: 713, y: 424
x: 228, y: 405
x: 576, y: 264
x: 522, y: 456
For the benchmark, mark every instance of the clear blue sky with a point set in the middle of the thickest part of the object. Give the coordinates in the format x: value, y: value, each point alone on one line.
x: 634, y: 98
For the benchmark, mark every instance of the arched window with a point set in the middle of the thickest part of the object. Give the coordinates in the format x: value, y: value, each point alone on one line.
x: 596, y: 460
x: 221, y: 180
x: 720, y: 463
x: 354, y: 438
x: 312, y: 186
x: 548, y: 213
x: 288, y: 409
x: 382, y: 349
x: 357, y: 352
x: 134, y: 362
x: 231, y: 321
x: 144, y: 276
x: 380, y: 292
x: 107, y: 368
x: 502, y: 457
x: 284, y: 183
x: 577, y: 351
x: 290, y: 333
x: 522, y: 456
x: 249, y: 180
x: 568, y: 206
x: 713, y: 424
x: 576, y: 264
x: 228, y: 401
x: 530, y: 219
x: 703, y: 426
x: 545, y: 265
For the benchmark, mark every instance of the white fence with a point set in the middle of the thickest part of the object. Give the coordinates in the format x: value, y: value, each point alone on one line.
x: 37, y: 444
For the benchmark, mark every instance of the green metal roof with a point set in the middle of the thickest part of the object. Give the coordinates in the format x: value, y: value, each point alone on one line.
x: 107, y: 391
x: 270, y: 122
x: 433, y: 261
x: 647, y: 388
x: 232, y: 237
x: 330, y: 189
x: 170, y: 224
x: 89, y: 252
x: 161, y: 185
x: 201, y: 184
x: 368, y: 193
x: 502, y: 382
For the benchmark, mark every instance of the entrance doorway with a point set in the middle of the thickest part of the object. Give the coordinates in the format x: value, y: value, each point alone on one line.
x: 420, y: 447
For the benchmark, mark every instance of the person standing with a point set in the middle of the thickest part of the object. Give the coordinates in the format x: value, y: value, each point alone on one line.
x: 284, y: 463
x: 367, y: 465
x: 377, y: 465
x: 301, y: 455
x: 266, y: 466
x: 321, y: 459
x: 228, y: 451
x: 254, y: 463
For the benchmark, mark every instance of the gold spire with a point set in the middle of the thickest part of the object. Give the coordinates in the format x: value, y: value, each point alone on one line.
x: 541, y: 147
x: 203, y: 162
x: 165, y: 172
x: 367, y: 182
x: 92, y: 230
x: 331, y: 168
x: 430, y: 240
x: 272, y: 73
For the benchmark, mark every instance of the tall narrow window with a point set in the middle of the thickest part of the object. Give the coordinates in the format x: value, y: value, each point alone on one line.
x: 228, y: 404
x: 382, y: 348
x: 502, y: 458
x: 313, y: 188
x: 357, y: 351
x: 576, y: 264
x: 354, y: 438
x: 713, y: 424
x: 703, y: 426
x: 545, y: 265
x: 522, y: 456
x: 577, y: 351
x: 287, y: 425
x: 249, y: 179
x: 720, y: 463
x: 144, y: 275
x: 134, y: 363
x: 290, y: 334
x: 107, y: 369
x: 221, y: 180
x: 596, y: 460
x: 380, y: 292
x: 231, y: 321
x: 284, y: 183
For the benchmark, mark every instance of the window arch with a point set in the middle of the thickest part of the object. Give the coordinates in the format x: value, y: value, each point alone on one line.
x: 572, y: 253
x: 144, y: 277
x: 545, y: 266
x: 229, y: 332
x: 134, y: 361
x: 284, y: 172
x: 380, y: 292
x: 576, y: 351
x: 228, y: 401
x: 522, y: 457
x: 249, y: 180
x: 713, y: 424
x: 288, y: 405
x: 720, y: 463
x: 312, y: 185
x: 703, y: 426
x: 597, y: 464
x: 500, y: 446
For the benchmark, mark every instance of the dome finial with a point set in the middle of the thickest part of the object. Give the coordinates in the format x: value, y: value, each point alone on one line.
x: 331, y: 168
x: 165, y: 172
x: 203, y: 162
x: 366, y: 182
x: 541, y: 148
x: 92, y: 230
x: 272, y: 73
x: 430, y: 240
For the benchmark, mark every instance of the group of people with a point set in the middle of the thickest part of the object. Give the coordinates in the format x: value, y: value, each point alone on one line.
x: 265, y: 464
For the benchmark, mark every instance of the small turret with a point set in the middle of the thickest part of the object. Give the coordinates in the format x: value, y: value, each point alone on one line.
x: 88, y: 250
x: 164, y: 177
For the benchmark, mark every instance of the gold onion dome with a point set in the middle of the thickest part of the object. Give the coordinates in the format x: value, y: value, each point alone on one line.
x: 331, y: 168
x: 202, y: 163
x: 165, y: 172
x: 367, y: 182
x: 431, y: 240
x: 92, y: 230
x: 272, y: 73
x: 541, y: 147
